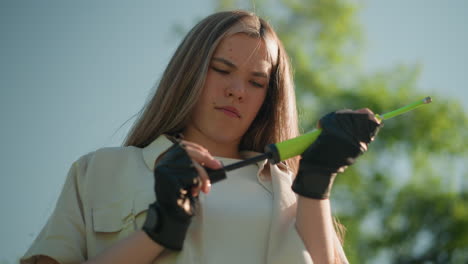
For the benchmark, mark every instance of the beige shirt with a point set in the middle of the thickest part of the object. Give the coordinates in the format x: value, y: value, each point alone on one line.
x: 107, y: 192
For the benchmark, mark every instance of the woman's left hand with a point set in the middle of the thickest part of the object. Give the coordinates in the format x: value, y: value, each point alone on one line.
x: 345, y: 136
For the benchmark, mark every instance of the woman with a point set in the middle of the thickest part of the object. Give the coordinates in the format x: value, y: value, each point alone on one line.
x: 226, y: 94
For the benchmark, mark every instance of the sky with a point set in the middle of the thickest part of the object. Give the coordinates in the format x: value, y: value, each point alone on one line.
x: 74, y: 73
x: 430, y: 33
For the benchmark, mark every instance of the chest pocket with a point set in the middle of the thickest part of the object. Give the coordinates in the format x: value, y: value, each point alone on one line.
x: 113, y: 217
x: 115, y: 221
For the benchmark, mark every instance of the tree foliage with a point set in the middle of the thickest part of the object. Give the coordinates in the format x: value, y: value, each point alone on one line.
x: 405, y: 201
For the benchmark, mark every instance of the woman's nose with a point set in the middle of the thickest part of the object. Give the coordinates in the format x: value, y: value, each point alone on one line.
x: 236, y: 89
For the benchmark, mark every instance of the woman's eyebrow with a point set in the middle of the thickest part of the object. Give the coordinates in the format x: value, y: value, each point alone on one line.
x: 260, y: 74
x: 228, y: 63
x: 232, y: 65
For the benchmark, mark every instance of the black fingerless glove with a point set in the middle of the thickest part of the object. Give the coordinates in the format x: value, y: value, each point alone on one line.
x: 169, y: 217
x: 337, y: 146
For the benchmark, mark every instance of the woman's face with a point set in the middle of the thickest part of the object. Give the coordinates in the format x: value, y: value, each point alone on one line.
x: 235, y: 88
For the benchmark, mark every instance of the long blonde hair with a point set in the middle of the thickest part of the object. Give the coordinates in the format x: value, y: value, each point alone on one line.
x: 181, y: 85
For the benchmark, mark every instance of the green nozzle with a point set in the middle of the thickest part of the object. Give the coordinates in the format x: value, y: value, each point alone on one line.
x: 404, y: 109
x: 292, y: 147
x: 296, y: 146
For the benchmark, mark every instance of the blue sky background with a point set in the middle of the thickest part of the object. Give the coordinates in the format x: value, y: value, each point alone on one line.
x: 431, y: 33
x: 72, y: 72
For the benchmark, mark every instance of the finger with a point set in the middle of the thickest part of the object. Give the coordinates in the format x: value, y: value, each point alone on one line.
x: 344, y: 111
x: 369, y: 113
x: 363, y: 145
x: 185, y: 204
x: 319, y: 126
x: 194, y: 146
x: 342, y: 169
x: 202, y: 157
x: 204, y: 183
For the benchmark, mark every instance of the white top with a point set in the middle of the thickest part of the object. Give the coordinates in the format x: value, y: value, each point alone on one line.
x: 236, y: 214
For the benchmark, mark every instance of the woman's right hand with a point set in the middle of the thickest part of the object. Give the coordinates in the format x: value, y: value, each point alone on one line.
x: 201, y: 158
x: 179, y: 177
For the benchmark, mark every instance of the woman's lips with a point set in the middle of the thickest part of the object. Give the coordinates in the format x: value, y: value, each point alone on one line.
x: 229, y: 110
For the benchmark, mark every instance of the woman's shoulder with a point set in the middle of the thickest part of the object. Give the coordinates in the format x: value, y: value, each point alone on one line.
x: 117, y: 151
x: 110, y: 168
x: 110, y: 154
x: 108, y: 159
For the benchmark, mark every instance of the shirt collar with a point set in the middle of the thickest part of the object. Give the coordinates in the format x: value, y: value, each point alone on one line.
x: 153, y: 150
x: 261, y: 164
x: 245, y: 154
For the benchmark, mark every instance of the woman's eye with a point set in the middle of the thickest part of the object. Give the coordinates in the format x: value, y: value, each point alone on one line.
x: 219, y: 70
x: 256, y: 84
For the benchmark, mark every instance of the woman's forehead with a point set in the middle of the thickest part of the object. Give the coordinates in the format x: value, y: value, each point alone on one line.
x: 248, y: 46
x: 243, y: 49
x: 253, y: 26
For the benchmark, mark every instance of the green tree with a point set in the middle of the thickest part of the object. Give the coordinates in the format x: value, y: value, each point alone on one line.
x: 405, y: 201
